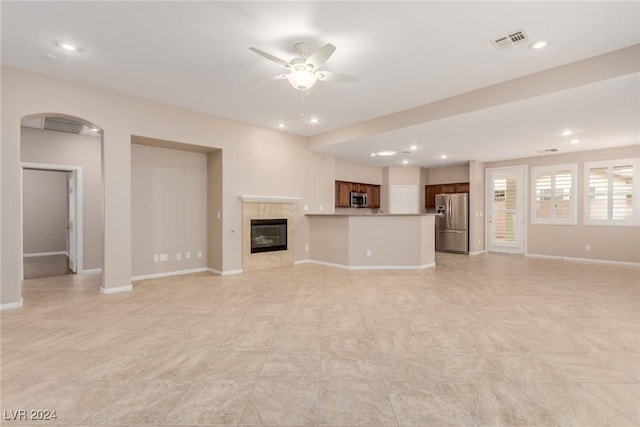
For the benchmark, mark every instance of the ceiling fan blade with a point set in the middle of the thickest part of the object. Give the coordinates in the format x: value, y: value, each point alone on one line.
x: 276, y: 77
x: 320, y: 56
x: 330, y: 76
x: 270, y: 57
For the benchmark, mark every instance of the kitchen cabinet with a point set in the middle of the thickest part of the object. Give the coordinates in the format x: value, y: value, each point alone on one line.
x: 343, y: 197
x: 430, y: 191
x: 344, y: 188
x: 375, y: 197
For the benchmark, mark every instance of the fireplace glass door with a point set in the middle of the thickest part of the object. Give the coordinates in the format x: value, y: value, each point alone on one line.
x: 268, y: 235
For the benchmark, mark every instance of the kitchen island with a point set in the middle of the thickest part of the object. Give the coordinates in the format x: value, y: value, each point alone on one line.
x: 369, y: 242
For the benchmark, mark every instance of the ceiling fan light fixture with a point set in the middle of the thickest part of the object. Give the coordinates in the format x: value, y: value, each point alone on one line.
x: 302, y: 79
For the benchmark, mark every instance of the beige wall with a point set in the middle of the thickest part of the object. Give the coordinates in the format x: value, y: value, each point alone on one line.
x: 168, y: 209
x: 614, y: 243
x: 358, y: 172
x: 214, y: 210
x: 476, y: 207
x: 449, y: 174
x: 255, y: 161
x: 329, y: 238
x: 44, y: 211
x: 44, y: 146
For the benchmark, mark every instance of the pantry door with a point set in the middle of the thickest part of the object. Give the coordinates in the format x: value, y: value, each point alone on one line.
x: 505, y: 209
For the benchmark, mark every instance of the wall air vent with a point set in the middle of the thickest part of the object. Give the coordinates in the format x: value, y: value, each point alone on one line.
x: 510, y: 40
x: 60, y: 124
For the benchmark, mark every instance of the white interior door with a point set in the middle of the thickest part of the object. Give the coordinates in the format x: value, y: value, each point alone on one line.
x: 72, y: 238
x: 505, y: 209
x: 403, y: 199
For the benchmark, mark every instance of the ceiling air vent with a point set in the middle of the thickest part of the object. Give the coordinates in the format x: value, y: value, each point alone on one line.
x: 509, y: 40
x: 60, y: 124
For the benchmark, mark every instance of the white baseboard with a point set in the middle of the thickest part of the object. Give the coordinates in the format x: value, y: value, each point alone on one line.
x: 10, y: 305
x: 37, y: 254
x: 168, y: 274
x: 375, y: 267
x: 224, y: 273
x: 107, y: 291
x: 302, y: 261
x: 91, y: 271
x: 590, y: 260
x: 477, y: 252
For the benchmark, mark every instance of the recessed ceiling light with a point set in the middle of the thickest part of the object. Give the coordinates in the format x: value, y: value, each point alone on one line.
x: 413, y: 147
x: 386, y: 153
x: 70, y: 47
x: 568, y: 132
x: 538, y: 45
x: 372, y: 154
x: 443, y: 156
x: 574, y: 141
x: 50, y: 57
x: 95, y: 129
x: 313, y: 120
x: 405, y: 161
x: 281, y: 125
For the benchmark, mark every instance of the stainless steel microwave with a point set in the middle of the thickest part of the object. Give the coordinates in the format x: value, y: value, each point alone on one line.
x: 358, y: 200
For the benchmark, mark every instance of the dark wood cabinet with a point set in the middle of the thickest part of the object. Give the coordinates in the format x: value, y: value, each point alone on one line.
x: 448, y: 188
x: 430, y: 191
x: 375, y: 197
x: 343, y: 197
x: 344, y: 188
x: 462, y: 187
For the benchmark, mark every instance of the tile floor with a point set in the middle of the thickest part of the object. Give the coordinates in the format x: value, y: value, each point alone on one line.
x: 45, y: 266
x: 489, y: 340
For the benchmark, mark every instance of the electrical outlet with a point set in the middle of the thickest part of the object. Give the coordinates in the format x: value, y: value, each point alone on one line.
x: 179, y: 256
x: 368, y: 252
x: 321, y: 208
x: 587, y: 247
x: 156, y: 258
x: 199, y: 254
x: 306, y: 248
x: 219, y: 215
x: 188, y: 255
x: 164, y: 257
x: 306, y: 207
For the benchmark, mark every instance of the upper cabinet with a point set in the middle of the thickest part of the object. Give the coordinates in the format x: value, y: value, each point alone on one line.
x: 342, y: 194
x: 430, y: 191
x: 344, y: 188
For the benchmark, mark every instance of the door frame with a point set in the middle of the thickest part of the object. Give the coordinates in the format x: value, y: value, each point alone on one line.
x: 489, y: 205
x: 76, y: 172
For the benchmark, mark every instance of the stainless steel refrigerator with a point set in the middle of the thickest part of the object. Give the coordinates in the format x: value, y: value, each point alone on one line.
x: 452, y: 223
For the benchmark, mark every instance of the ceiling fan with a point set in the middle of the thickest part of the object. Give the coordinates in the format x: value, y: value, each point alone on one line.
x: 304, y: 71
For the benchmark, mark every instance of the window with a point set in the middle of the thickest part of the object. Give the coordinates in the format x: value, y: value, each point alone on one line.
x: 611, y: 192
x: 553, y: 194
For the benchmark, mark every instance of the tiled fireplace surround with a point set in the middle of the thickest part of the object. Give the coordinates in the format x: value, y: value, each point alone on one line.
x: 256, y: 207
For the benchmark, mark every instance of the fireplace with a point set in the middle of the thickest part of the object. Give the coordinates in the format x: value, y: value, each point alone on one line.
x: 268, y: 235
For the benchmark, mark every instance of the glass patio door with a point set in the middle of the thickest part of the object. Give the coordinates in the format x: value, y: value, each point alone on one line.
x: 505, y: 210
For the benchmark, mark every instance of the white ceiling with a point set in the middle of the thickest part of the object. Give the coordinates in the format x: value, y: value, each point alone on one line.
x: 195, y: 55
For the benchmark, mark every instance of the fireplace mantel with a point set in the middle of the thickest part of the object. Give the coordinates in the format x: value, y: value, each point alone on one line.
x: 269, y: 199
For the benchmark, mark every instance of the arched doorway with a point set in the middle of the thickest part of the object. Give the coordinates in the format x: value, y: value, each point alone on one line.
x: 62, y: 227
